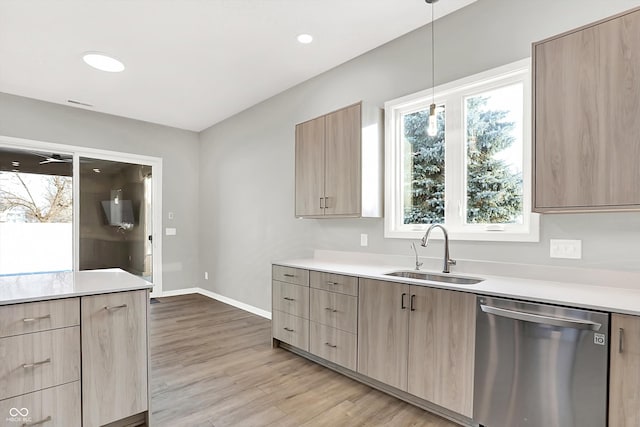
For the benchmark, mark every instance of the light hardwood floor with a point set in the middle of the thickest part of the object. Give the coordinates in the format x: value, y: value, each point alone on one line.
x: 213, y: 365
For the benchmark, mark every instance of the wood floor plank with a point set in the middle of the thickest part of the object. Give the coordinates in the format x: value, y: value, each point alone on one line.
x: 212, y: 365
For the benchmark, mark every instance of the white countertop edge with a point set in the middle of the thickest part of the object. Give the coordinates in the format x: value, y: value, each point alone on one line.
x: 18, y: 289
x: 608, y: 298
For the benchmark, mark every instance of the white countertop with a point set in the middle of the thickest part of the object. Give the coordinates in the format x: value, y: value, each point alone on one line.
x: 45, y: 286
x: 625, y: 300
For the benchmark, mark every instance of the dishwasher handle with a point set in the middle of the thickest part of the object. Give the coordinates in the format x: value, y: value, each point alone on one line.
x: 545, y: 320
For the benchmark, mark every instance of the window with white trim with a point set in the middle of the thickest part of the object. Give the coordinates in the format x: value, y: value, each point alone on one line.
x: 474, y: 175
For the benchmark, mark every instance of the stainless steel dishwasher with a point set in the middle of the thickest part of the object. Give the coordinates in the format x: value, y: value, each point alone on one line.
x: 540, y: 365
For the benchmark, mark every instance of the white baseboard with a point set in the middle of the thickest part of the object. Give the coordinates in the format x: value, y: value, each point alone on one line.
x: 207, y: 293
x: 177, y: 292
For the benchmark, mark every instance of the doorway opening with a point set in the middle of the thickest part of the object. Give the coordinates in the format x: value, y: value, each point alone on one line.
x: 116, y: 216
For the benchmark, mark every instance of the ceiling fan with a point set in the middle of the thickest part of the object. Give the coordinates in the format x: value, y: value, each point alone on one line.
x: 54, y: 158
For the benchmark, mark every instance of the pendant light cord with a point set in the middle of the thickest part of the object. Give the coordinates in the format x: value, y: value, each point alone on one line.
x: 433, y: 56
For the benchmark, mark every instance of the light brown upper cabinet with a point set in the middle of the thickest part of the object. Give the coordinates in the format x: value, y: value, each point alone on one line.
x: 339, y: 164
x: 586, y: 110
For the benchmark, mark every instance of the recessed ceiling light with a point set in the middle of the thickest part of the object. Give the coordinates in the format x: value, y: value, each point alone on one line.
x: 96, y: 170
x: 15, y: 164
x: 103, y: 62
x: 305, y: 38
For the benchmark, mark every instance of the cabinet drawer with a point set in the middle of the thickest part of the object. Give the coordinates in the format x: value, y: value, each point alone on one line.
x: 17, y: 319
x: 333, y: 345
x: 336, y: 310
x: 296, y: 276
x: 293, y: 330
x: 59, y: 406
x: 292, y: 299
x: 334, y: 282
x: 35, y: 361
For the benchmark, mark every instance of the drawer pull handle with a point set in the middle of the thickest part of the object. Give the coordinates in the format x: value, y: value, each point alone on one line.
x: 330, y: 345
x: 289, y: 299
x: 621, y: 341
x: 37, y: 423
x: 33, y: 365
x: 333, y: 310
x: 288, y: 329
x: 115, y: 307
x: 33, y: 319
x: 333, y: 283
x: 289, y: 275
x: 413, y: 302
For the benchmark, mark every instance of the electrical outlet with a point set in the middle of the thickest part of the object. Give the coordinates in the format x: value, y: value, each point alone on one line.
x: 170, y: 215
x: 170, y: 231
x: 571, y: 249
x: 206, y: 275
x: 364, y: 240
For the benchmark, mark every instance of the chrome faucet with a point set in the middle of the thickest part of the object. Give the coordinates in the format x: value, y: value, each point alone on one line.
x: 447, y: 261
x: 415, y: 250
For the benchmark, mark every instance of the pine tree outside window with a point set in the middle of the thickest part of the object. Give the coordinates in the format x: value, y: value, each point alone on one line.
x: 474, y: 175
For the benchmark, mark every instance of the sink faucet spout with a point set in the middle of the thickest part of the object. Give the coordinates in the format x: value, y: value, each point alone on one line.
x: 447, y: 260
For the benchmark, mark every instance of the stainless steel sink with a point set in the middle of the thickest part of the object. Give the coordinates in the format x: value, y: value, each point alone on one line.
x: 434, y: 277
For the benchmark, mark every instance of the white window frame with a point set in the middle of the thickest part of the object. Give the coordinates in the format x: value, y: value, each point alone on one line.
x: 452, y: 95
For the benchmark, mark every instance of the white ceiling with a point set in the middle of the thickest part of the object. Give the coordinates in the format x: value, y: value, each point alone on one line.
x: 189, y: 63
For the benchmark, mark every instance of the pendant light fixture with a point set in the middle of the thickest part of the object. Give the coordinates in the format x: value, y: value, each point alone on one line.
x: 432, y: 128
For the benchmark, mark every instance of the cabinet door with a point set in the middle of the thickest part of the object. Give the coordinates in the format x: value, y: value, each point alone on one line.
x: 441, y: 347
x: 383, y: 322
x: 624, y: 380
x: 114, y: 356
x: 343, y: 169
x: 310, y: 163
x: 587, y: 103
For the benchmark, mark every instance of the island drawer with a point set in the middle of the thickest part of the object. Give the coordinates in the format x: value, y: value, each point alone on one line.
x: 17, y: 319
x: 40, y: 360
x: 333, y: 345
x: 293, y: 330
x: 297, y: 276
x: 334, y: 282
x: 292, y: 299
x: 333, y: 309
x: 54, y: 407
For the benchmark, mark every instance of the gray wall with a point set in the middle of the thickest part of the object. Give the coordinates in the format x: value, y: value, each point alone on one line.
x: 42, y: 121
x: 247, y: 161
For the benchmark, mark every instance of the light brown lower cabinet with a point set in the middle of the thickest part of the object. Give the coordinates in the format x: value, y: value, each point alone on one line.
x: 420, y: 340
x: 114, y: 356
x: 32, y: 362
x: 333, y: 345
x: 291, y: 329
x: 624, y: 376
x: 383, y: 326
x: 441, y: 347
x: 52, y: 407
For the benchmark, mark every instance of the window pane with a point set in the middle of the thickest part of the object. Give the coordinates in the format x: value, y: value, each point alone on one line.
x: 423, y: 169
x: 36, y: 212
x: 494, y: 133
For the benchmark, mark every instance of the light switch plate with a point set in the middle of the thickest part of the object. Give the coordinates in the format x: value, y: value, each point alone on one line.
x: 169, y: 231
x: 570, y: 249
x: 364, y: 240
